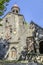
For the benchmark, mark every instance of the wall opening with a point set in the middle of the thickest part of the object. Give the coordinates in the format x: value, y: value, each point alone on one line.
x: 13, y: 52
x: 41, y: 47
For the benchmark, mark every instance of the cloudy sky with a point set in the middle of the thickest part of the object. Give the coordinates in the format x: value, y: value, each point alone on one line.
x: 31, y: 9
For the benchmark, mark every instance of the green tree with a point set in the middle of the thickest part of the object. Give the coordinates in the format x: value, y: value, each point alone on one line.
x: 3, y: 6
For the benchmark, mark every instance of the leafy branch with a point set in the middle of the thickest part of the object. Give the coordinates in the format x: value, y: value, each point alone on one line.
x: 3, y: 6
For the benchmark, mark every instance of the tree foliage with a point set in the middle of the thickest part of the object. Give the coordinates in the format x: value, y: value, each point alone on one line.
x: 3, y: 6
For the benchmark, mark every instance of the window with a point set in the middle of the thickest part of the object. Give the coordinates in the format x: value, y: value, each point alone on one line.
x: 6, y: 20
x: 10, y: 30
x: 16, y: 11
x: 13, y: 11
x: 13, y: 52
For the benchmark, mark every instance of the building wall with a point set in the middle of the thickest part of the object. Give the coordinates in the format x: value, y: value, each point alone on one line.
x: 20, y: 35
x: 15, y: 22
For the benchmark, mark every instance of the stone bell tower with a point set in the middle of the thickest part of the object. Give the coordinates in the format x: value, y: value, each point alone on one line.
x: 15, y: 9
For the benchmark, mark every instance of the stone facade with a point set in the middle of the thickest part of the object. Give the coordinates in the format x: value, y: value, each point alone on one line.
x: 20, y: 34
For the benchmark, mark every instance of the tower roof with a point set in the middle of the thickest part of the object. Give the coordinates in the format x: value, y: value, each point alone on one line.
x: 15, y: 9
x: 16, y: 6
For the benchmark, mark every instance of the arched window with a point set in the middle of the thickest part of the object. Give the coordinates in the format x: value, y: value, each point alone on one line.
x: 13, y: 52
x: 41, y: 47
x: 13, y: 11
x: 16, y: 11
x: 6, y: 20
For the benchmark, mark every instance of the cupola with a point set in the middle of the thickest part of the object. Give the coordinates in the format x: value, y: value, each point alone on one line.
x: 15, y: 9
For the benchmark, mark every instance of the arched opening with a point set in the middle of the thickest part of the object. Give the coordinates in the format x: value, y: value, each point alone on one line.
x: 13, y: 52
x: 41, y: 47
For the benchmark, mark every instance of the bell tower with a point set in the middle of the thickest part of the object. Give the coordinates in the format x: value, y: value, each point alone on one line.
x: 15, y: 9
